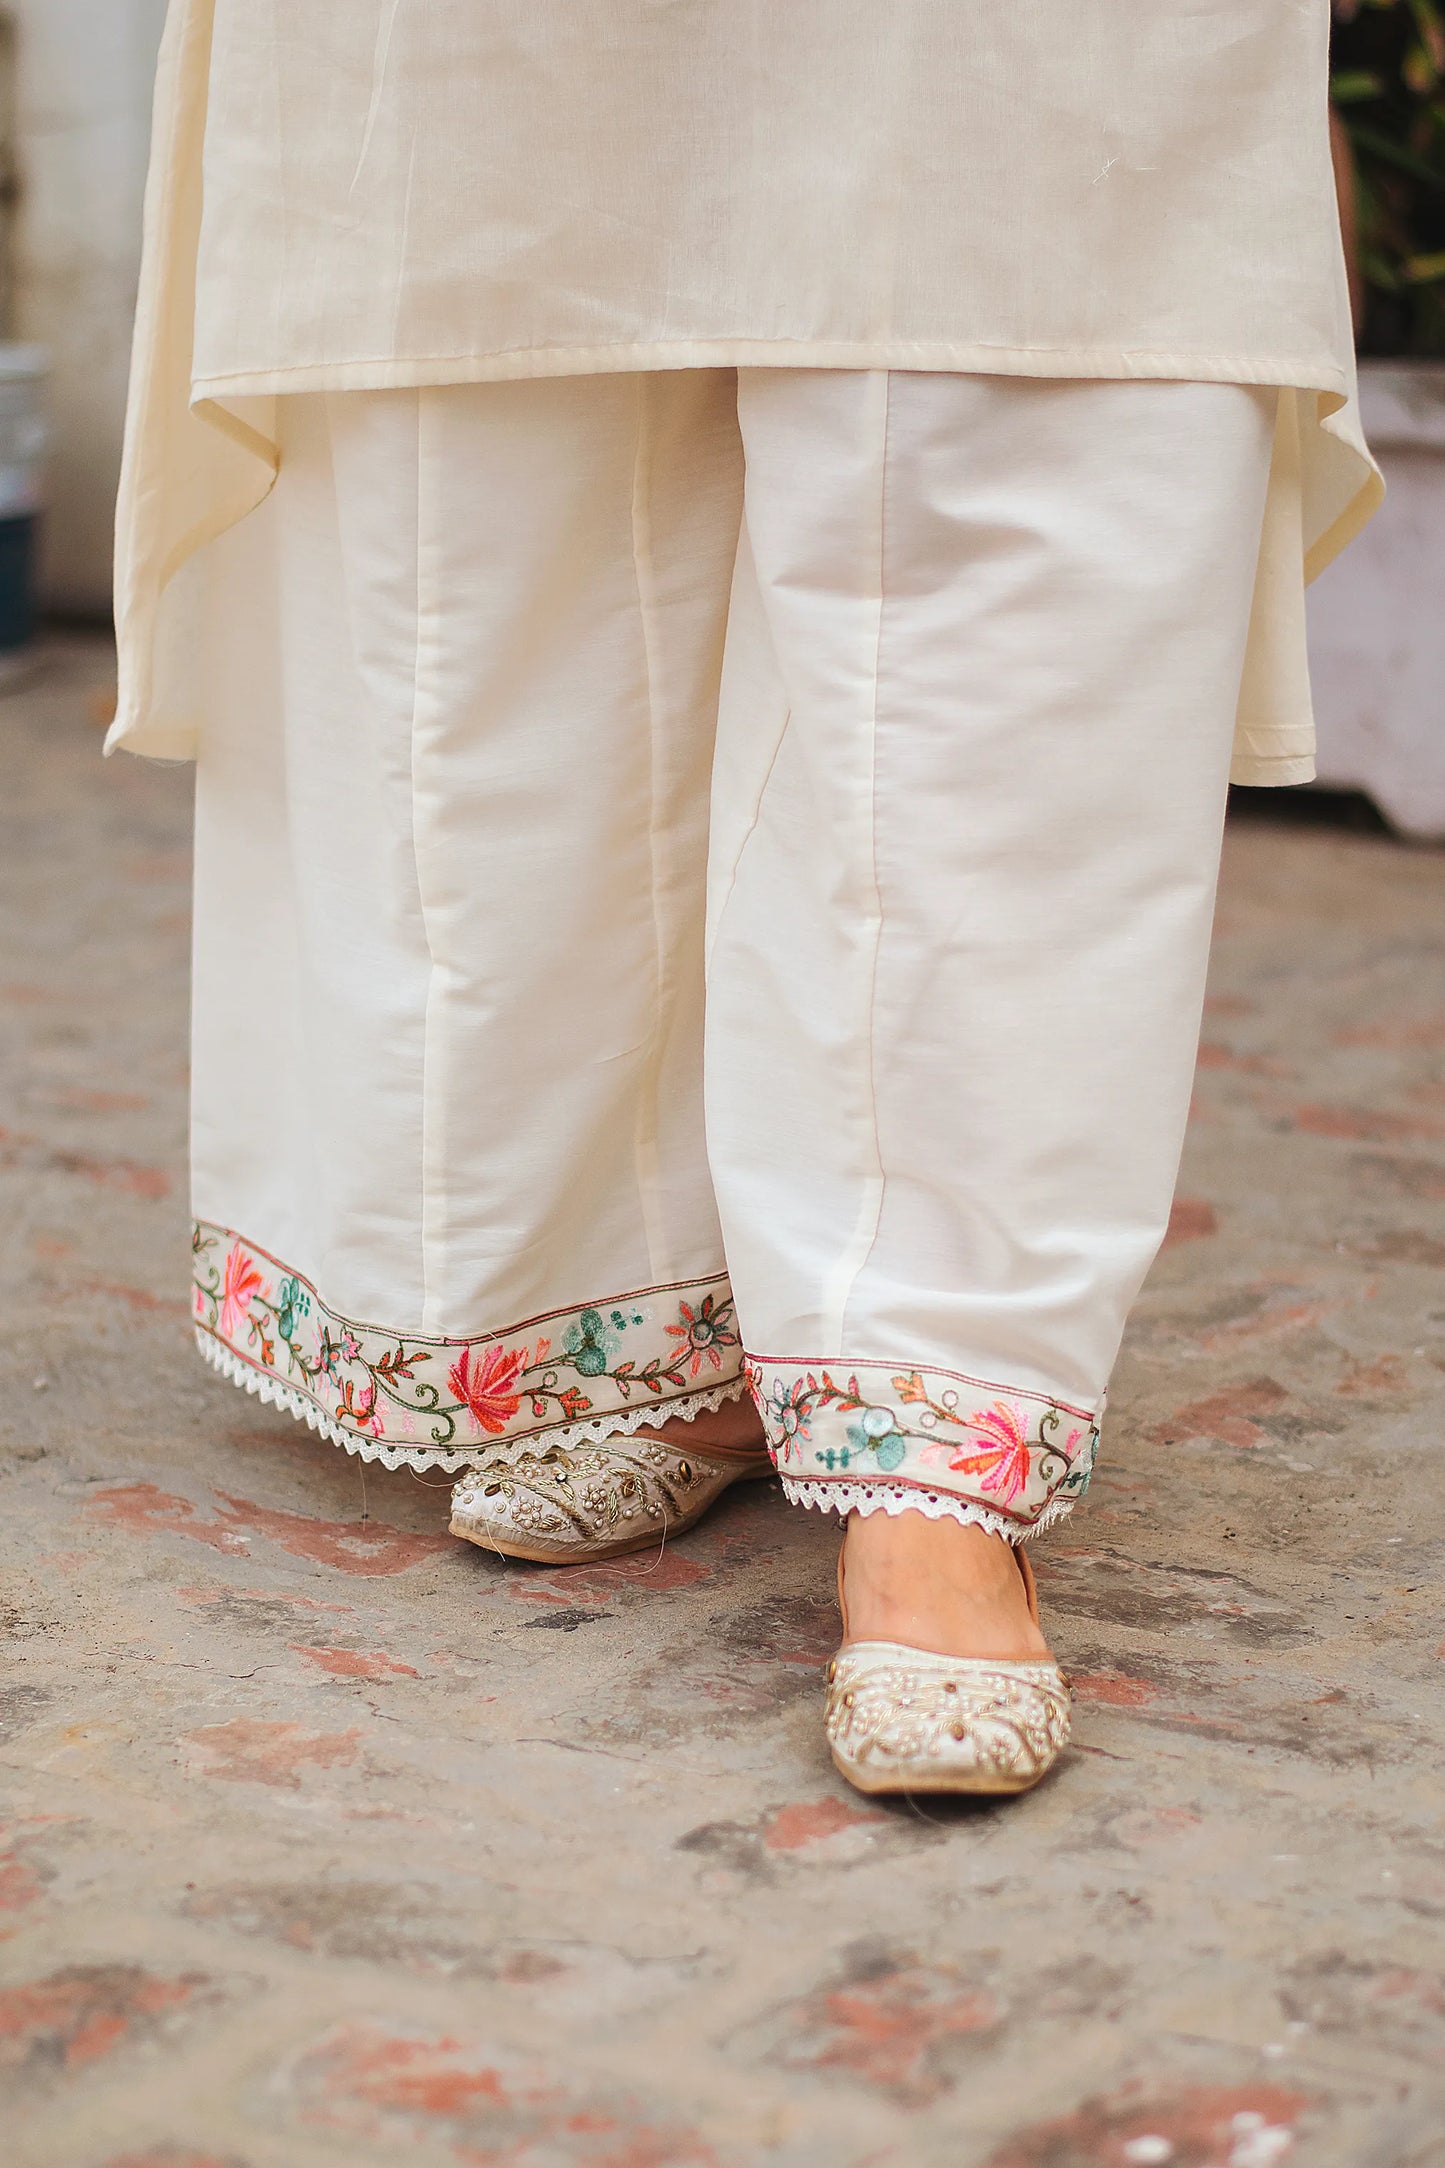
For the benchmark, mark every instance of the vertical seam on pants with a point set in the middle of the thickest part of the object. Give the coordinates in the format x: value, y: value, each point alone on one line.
x: 870, y: 1211
x: 645, y: 1147
x: 433, y: 1181
x: 746, y: 838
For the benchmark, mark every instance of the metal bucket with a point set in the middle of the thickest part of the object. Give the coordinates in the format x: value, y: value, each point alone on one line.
x: 23, y: 440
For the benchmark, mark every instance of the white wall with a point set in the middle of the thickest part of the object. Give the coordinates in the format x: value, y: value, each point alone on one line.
x: 1377, y: 631
x: 84, y: 92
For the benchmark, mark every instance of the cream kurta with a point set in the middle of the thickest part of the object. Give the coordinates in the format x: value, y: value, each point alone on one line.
x: 404, y: 192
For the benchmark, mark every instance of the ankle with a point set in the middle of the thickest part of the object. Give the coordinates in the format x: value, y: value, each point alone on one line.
x: 733, y: 1430
x: 939, y: 1585
x: 900, y: 1549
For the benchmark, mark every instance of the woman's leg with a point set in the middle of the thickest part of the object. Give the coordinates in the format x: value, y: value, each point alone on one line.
x: 976, y: 718
x: 449, y: 1167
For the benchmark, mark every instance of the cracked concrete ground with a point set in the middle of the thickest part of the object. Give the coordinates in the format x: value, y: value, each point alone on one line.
x: 332, y: 1841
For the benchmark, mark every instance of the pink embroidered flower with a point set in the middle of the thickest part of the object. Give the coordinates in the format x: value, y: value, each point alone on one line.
x: 491, y: 1389
x: 785, y: 1409
x: 241, y: 1283
x: 1003, y: 1466
x: 704, y: 1331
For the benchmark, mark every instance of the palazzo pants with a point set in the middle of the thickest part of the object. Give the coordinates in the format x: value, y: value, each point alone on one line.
x: 704, y: 880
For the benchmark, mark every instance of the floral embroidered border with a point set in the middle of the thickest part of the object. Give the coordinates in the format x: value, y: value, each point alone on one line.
x: 1016, y: 1459
x: 394, y: 1396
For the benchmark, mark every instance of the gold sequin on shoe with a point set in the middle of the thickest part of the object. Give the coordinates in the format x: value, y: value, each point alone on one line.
x: 566, y: 1505
x: 906, y: 1720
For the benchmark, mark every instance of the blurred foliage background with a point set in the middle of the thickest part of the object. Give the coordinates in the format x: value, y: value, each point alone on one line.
x: 1388, y: 85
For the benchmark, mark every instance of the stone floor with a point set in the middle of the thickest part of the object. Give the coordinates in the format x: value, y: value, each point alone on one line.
x: 315, y: 1856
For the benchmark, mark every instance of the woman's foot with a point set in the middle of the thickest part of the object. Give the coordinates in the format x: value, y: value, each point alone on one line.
x: 937, y: 1585
x: 567, y: 1505
x: 944, y: 1682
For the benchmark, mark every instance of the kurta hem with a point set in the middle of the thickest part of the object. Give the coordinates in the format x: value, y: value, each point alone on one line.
x: 391, y: 372
x: 352, y: 199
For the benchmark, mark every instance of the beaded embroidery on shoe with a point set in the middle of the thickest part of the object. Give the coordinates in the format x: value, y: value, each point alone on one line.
x: 901, y: 1719
x: 593, y: 1501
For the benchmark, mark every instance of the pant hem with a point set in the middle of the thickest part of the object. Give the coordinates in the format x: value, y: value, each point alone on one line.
x: 854, y: 1436
x: 896, y: 1498
x: 410, y: 1400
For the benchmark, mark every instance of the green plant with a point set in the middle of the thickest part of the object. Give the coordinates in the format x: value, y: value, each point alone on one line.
x: 1388, y: 85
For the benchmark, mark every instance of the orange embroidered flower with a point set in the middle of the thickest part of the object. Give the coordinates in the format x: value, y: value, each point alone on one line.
x: 358, y: 1406
x: 1003, y: 1466
x: 492, y: 1389
x: 241, y: 1283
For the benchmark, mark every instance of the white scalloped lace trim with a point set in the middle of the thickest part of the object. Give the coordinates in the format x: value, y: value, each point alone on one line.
x: 895, y: 1498
x: 490, y: 1452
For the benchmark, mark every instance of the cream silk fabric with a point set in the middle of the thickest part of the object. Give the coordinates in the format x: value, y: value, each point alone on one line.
x: 405, y: 192
x: 700, y: 863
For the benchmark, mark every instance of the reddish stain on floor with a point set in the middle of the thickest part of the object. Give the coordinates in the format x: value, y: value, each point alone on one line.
x: 76, y: 2016
x: 1402, y: 1246
x: 20, y: 1885
x: 1425, y: 1988
x: 889, y: 2030
x: 356, y: 1547
x: 1416, y: 1179
x: 396, y: 2090
x: 655, y: 1572
x: 1112, y: 1689
x: 1275, y: 1315
x: 1174, y: 1821
x: 126, y: 1175
x: 1388, y: 1374
x: 1366, y: 1125
x: 810, y: 1820
x: 353, y: 1663
x: 1424, y: 1033
x: 142, y: 1509
x: 1247, y: 2126
x: 431, y: 2077
x: 359, y: 1547
x: 169, y: 2156
x: 248, y: 1752
x: 1190, y: 1220
x: 1212, y: 1055
x: 1229, y: 1416
x: 134, y: 1298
